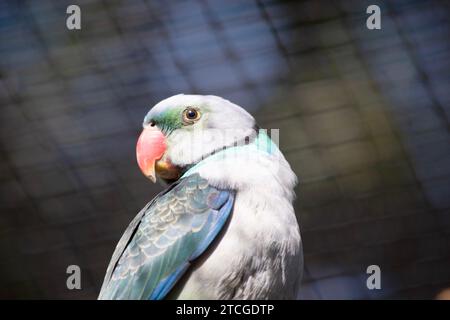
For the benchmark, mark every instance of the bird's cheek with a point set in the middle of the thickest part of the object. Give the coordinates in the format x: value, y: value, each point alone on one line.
x: 150, y: 147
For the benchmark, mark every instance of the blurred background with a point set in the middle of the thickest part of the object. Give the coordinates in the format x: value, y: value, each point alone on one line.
x: 363, y: 118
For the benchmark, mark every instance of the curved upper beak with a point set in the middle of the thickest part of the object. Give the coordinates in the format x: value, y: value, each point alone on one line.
x: 150, y: 147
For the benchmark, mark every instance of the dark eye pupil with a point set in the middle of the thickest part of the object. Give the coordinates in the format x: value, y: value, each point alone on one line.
x: 192, y: 114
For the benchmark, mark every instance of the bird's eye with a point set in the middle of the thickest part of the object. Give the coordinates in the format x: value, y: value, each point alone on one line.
x: 190, y: 115
x: 152, y: 123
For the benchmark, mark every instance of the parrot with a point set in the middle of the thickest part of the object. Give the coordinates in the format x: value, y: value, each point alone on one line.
x: 225, y: 226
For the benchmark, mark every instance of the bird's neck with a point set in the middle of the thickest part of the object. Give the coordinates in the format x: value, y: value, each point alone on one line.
x: 259, y: 144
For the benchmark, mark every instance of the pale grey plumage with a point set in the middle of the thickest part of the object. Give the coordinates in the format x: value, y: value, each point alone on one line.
x: 259, y: 254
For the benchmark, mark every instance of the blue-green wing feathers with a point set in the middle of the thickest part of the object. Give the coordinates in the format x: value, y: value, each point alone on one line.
x: 165, y: 237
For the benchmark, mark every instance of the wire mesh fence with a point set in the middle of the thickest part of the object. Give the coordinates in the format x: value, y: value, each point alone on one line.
x: 363, y: 119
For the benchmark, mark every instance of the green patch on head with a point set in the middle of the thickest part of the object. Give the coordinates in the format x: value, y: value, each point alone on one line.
x: 169, y: 120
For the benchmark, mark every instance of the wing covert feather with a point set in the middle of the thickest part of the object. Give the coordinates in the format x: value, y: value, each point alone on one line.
x: 163, y: 239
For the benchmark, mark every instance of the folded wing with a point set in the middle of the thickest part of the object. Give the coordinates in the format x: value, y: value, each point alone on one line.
x: 164, y: 238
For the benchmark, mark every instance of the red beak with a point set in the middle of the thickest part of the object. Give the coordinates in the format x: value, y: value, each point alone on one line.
x: 150, y: 147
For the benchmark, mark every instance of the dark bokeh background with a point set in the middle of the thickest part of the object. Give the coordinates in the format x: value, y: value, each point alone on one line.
x: 363, y: 118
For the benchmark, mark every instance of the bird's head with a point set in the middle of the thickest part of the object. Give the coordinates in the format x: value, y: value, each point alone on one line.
x: 182, y: 130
